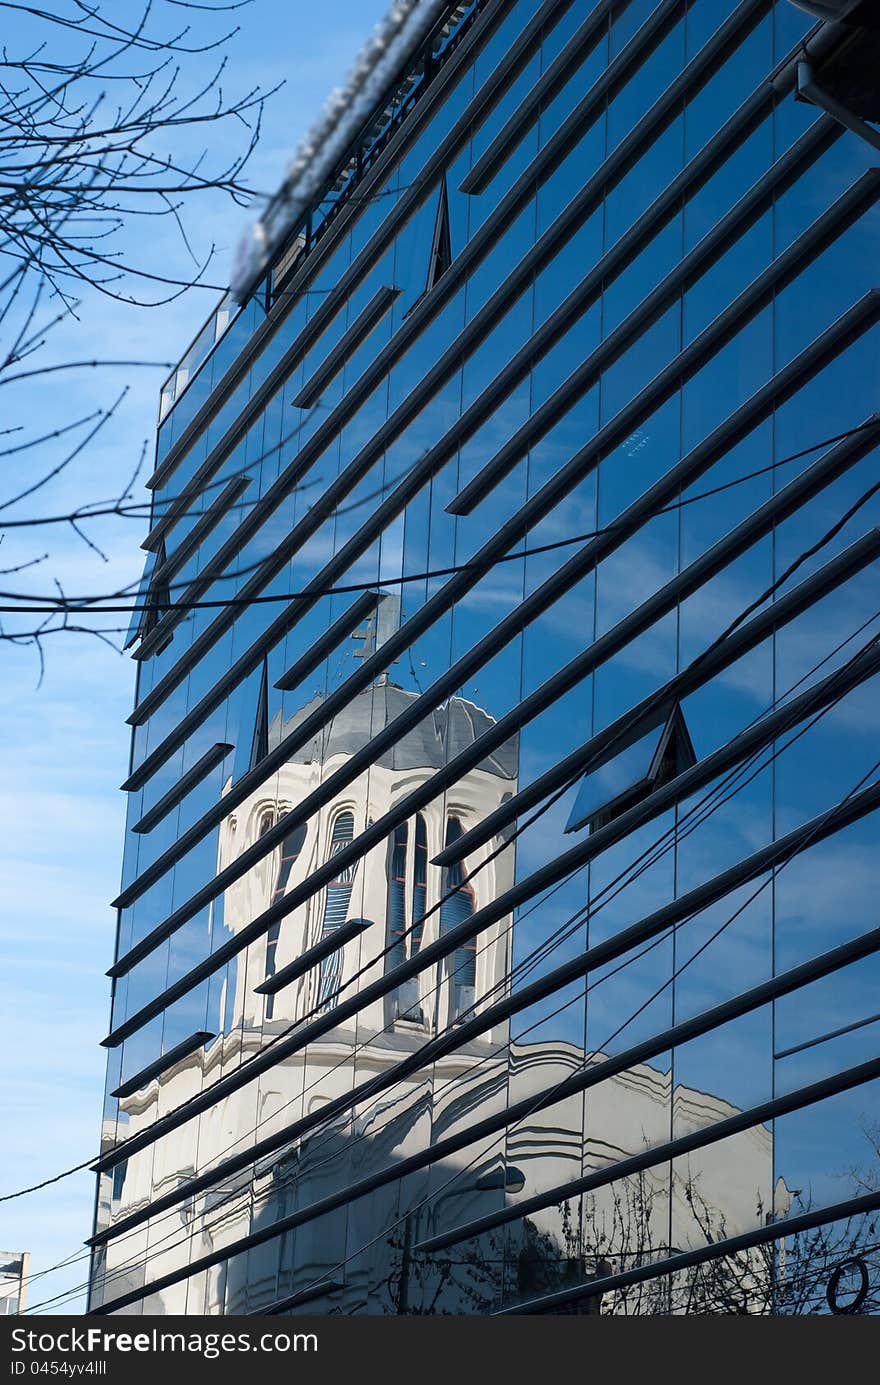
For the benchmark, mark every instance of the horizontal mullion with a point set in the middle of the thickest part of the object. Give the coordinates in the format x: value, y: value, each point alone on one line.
x: 775, y: 277
x: 676, y: 911
x: 797, y: 1100
x: 306, y: 960
x: 727, y: 434
x: 362, y: 606
x: 496, y: 84
x: 715, y: 1250
x: 826, y: 1038
x: 653, y: 710
x: 348, y: 343
x: 617, y: 73
x: 830, y: 224
x: 623, y: 157
x: 826, y: 964
x: 187, y: 781
x: 161, y: 1064
x: 753, y: 739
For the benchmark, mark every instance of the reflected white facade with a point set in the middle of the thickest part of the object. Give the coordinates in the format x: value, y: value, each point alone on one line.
x: 496, y: 927
x: 13, y: 1281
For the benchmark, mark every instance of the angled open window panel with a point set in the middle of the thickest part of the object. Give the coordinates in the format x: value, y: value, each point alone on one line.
x: 137, y: 614
x: 440, y: 256
x: 260, y: 742
x: 441, y: 242
x: 252, y: 744
x: 650, y: 762
x: 152, y: 601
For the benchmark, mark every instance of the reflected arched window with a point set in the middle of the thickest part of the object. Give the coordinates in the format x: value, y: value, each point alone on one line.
x: 455, y: 910
x: 291, y: 847
x: 396, y: 940
x: 338, y: 893
x: 420, y: 883
x: 404, y: 927
x: 265, y: 823
x: 337, y: 898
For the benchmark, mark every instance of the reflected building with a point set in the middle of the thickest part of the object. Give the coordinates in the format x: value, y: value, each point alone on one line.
x: 496, y: 930
x: 13, y: 1282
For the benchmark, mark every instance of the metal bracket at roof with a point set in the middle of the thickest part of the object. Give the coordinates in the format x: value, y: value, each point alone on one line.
x: 838, y: 11
x: 368, y: 96
x: 809, y: 89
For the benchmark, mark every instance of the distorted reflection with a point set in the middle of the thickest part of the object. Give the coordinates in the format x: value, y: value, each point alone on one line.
x: 520, y: 919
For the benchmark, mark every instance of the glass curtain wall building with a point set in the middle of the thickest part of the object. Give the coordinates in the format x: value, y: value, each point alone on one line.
x: 497, y: 929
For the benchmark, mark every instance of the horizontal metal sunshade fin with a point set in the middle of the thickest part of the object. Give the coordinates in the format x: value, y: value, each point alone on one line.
x: 653, y: 709
x: 300, y: 965
x: 677, y: 911
x: 167, y: 1060
x: 726, y: 435
x: 477, y: 110
x: 566, y: 63
x: 421, y: 472
x: 203, y: 525
x: 187, y: 781
x: 348, y: 343
x: 326, y: 643
x: 780, y: 272
x: 625, y: 156
x: 822, y: 695
x: 786, y: 983
x: 683, y: 472
x: 690, y: 360
x: 778, y: 1230
x: 658, y: 1154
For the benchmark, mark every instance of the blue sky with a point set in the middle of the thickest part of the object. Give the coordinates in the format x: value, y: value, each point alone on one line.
x: 65, y: 745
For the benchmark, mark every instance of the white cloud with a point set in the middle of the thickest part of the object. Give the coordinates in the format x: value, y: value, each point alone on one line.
x: 66, y: 746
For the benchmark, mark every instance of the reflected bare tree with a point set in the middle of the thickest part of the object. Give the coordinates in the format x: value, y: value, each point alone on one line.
x: 830, y: 1268
x: 798, y: 1275
x: 113, y: 119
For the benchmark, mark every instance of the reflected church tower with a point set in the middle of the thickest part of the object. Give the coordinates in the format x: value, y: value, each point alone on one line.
x: 388, y: 905
x: 367, y: 919
x: 457, y: 993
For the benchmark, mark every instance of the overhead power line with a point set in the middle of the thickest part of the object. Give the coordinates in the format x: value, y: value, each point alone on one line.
x: 540, y: 812
x: 675, y: 836
x: 104, y: 605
